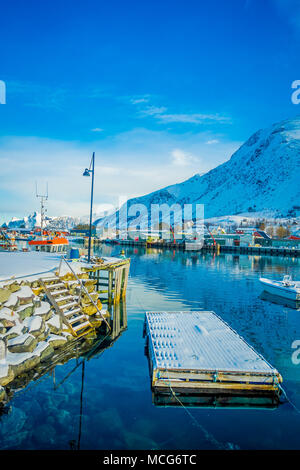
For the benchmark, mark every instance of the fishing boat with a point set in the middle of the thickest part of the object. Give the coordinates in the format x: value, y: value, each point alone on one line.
x: 195, y: 244
x: 194, y: 240
x: 7, y: 241
x: 53, y: 244
x: 286, y: 288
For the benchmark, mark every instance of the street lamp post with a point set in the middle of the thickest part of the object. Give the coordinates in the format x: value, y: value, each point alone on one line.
x: 87, y: 172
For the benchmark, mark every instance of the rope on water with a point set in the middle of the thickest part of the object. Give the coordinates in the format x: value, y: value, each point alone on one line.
x: 288, y: 399
x: 209, y: 437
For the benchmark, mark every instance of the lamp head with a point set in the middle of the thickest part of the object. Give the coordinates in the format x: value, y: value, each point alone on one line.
x: 86, y: 172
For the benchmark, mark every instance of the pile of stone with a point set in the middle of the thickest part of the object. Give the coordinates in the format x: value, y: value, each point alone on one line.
x: 30, y: 329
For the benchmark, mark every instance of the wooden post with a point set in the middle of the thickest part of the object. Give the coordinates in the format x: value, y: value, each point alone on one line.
x: 116, y: 320
x: 117, y: 287
x: 123, y: 314
x: 110, y: 286
x: 125, y: 279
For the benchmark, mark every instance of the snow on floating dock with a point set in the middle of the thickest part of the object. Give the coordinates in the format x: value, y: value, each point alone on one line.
x: 199, y: 352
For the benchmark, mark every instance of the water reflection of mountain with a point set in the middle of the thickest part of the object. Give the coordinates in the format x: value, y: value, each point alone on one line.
x: 228, y: 285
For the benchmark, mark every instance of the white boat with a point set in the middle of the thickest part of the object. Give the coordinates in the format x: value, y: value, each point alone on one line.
x: 193, y: 245
x: 286, y: 288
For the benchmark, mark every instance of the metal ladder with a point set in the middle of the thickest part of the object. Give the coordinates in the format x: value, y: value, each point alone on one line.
x: 83, y: 289
x: 66, y: 306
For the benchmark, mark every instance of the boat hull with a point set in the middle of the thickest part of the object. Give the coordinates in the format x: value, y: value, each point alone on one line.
x: 279, y: 290
x: 193, y: 245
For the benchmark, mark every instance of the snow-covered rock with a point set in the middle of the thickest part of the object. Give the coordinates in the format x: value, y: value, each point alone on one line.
x: 4, y: 295
x: 44, y: 310
x: 54, y: 324
x: 6, y: 374
x: 35, y: 325
x: 25, y: 311
x: 12, y: 301
x: 22, y: 343
x: 2, y: 394
x: 44, y: 350
x: 21, y: 362
x: 56, y: 340
x: 25, y: 295
x: 30, y: 330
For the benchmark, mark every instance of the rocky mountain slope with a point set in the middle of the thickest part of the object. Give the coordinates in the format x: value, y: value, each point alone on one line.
x: 34, y: 220
x: 263, y: 175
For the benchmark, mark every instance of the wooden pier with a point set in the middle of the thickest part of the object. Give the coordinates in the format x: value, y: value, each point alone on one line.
x: 197, y: 352
x: 250, y: 250
x: 111, y: 276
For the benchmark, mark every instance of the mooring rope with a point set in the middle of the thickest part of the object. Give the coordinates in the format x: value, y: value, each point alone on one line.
x: 209, y: 437
x: 288, y: 399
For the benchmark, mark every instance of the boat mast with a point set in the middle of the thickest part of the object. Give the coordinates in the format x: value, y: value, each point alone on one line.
x: 43, y: 198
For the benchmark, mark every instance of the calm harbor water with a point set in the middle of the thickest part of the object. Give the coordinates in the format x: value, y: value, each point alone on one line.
x: 110, y: 405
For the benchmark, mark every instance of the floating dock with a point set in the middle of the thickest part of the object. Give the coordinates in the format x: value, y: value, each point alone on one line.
x: 197, y: 352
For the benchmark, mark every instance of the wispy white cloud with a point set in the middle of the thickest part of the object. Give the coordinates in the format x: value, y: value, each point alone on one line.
x: 129, y: 164
x: 212, y: 142
x: 182, y: 158
x: 193, y: 118
x: 97, y: 129
x: 160, y: 113
x: 140, y: 99
x: 153, y: 111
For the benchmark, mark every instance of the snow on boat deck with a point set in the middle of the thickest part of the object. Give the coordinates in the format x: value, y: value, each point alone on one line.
x: 198, y: 350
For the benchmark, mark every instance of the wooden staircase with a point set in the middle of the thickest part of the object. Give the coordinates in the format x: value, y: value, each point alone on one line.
x: 67, y: 306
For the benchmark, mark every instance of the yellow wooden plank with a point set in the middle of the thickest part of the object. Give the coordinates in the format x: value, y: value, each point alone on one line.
x: 214, y: 385
x: 220, y: 376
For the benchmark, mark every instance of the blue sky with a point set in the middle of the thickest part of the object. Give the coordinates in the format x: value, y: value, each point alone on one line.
x: 160, y: 90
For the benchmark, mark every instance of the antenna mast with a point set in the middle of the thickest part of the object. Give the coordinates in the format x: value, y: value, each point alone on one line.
x: 43, y: 198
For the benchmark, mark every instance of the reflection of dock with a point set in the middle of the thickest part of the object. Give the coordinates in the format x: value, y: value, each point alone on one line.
x: 198, y: 353
x: 213, y: 401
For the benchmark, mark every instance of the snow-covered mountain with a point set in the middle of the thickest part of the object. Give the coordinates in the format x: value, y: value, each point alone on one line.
x: 262, y: 176
x: 34, y: 220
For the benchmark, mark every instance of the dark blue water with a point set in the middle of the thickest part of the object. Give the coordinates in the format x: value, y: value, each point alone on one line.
x: 116, y: 403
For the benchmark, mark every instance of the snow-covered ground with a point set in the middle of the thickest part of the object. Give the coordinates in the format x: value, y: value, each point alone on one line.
x: 20, y: 264
x: 252, y: 219
x: 35, y: 264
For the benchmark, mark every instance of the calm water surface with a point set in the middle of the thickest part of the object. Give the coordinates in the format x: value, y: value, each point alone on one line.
x: 114, y: 397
